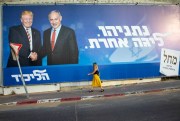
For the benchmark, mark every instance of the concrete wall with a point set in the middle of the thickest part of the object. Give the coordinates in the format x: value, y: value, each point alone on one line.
x: 69, y: 86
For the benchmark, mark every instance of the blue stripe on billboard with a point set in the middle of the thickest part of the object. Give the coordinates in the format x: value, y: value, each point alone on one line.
x: 77, y: 73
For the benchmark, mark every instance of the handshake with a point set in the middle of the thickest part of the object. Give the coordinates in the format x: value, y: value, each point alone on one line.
x: 33, y: 56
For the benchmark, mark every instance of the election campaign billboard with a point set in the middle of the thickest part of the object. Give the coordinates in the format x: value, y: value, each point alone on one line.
x: 125, y: 41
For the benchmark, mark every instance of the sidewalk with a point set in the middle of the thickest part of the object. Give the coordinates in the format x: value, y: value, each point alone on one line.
x: 83, y: 94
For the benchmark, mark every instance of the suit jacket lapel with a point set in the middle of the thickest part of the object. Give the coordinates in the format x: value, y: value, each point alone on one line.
x: 59, y: 39
x: 24, y: 37
x: 33, y: 38
x: 48, y: 37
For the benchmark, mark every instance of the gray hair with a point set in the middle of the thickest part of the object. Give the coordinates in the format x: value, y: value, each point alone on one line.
x: 54, y: 11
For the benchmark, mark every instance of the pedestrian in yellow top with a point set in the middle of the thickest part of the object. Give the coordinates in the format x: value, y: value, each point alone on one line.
x: 96, y: 82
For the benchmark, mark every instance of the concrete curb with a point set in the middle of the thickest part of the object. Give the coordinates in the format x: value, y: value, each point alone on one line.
x: 34, y: 101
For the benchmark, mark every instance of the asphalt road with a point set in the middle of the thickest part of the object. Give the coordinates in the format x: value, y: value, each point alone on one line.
x: 157, y: 106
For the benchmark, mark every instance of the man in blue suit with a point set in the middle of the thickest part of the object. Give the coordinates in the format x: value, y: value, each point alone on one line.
x: 29, y: 38
x: 59, y: 42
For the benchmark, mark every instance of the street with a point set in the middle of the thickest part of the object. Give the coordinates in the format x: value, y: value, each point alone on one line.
x: 158, y: 106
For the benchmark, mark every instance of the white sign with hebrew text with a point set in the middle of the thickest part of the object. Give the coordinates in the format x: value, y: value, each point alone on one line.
x: 169, y: 64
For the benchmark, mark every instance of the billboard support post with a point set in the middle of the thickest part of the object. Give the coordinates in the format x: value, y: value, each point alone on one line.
x: 15, y: 53
x: 25, y: 88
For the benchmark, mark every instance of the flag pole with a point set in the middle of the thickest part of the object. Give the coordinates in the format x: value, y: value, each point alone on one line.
x: 15, y: 53
x: 22, y: 78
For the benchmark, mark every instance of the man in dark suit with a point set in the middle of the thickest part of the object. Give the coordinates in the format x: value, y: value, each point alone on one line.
x: 59, y: 42
x: 29, y: 38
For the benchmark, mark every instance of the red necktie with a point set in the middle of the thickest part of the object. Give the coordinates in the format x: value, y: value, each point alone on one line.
x: 29, y: 37
x: 53, y: 39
